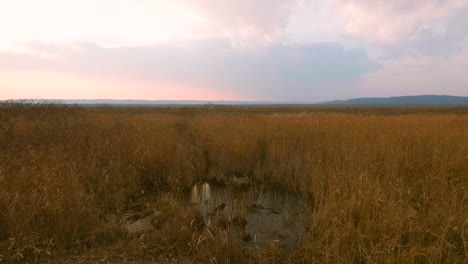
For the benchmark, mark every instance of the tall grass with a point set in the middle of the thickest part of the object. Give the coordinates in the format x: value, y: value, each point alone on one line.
x: 382, y: 185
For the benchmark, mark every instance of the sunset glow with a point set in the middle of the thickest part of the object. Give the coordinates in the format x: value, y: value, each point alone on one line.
x: 235, y: 50
x: 50, y: 85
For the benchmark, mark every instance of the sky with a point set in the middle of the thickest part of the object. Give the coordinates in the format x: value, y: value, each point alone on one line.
x: 253, y: 50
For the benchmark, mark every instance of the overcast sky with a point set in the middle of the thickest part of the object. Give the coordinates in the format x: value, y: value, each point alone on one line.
x: 269, y: 50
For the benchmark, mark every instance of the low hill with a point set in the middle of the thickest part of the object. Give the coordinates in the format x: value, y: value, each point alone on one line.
x: 404, y: 100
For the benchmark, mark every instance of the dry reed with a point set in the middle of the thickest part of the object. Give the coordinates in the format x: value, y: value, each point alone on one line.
x: 383, y: 185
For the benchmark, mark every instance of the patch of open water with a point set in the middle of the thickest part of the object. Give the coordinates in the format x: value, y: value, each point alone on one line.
x: 258, y: 215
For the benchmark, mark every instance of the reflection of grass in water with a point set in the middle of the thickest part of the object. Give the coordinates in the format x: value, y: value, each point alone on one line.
x: 290, y: 221
x: 384, y: 184
x: 240, y: 220
x: 274, y: 211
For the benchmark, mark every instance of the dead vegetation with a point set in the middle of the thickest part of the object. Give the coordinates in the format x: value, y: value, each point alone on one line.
x: 382, y: 185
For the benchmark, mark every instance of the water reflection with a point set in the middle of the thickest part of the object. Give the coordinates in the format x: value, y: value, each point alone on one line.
x: 258, y: 215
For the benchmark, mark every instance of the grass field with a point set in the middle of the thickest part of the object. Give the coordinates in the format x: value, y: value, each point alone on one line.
x: 382, y: 185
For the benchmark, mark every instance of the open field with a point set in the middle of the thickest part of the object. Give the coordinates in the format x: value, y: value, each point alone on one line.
x: 380, y: 185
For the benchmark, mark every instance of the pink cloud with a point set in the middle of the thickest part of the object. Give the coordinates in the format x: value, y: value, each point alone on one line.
x: 390, y: 21
x: 252, y: 20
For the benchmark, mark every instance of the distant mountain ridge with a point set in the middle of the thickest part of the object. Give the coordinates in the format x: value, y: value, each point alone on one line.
x: 404, y: 100
x: 427, y: 100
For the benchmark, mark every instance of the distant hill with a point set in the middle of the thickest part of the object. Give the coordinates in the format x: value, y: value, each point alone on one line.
x: 404, y: 100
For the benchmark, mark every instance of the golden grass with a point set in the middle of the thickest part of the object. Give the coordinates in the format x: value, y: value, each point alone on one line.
x: 383, y: 185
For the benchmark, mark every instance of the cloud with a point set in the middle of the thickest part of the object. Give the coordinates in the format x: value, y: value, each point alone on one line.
x: 402, y: 28
x: 265, y: 19
x: 391, y: 21
x: 443, y: 41
x: 276, y: 72
x: 418, y: 75
x: 129, y: 22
